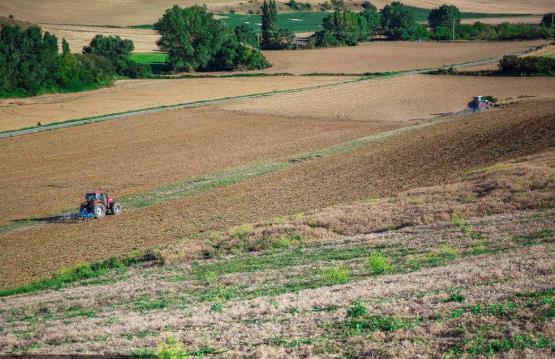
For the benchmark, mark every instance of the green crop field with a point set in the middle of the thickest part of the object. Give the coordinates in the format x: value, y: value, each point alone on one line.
x: 304, y: 21
x: 149, y: 58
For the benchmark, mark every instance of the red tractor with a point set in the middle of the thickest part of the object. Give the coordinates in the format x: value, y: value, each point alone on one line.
x: 97, y: 204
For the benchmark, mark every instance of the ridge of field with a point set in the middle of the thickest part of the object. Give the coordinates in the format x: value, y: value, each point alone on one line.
x: 320, y: 282
x: 128, y: 95
x: 116, y: 13
x: 429, y: 156
x: 182, y: 137
x: 382, y: 56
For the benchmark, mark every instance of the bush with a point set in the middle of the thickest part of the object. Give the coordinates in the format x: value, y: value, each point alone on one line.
x: 337, y: 275
x: 117, y: 50
x: 379, y: 264
x: 504, y: 31
x: 547, y: 19
x: 525, y: 66
x: 344, y: 27
x: 356, y: 309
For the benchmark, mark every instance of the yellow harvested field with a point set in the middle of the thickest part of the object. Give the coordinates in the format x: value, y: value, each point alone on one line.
x: 129, y: 95
x: 398, y: 99
x: 79, y: 36
x: 389, y: 56
x: 136, y: 12
x: 548, y: 51
x: 98, y: 12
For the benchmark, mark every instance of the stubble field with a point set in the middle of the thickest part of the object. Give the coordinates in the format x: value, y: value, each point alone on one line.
x: 390, y: 56
x: 136, y: 12
x: 128, y: 95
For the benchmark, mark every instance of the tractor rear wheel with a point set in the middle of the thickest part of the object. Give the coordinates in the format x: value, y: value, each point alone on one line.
x: 116, y: 208
x: 99, y: 210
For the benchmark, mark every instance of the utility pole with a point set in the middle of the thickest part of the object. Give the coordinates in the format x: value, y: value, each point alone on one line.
x: 453, y: 29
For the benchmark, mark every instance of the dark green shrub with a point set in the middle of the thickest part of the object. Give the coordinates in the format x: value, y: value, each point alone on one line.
x: 547, y: 19
x: 398, y: 23
x: 524, y: 66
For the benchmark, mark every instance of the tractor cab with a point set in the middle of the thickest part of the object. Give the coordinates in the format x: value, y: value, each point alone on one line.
x: 97, y: 204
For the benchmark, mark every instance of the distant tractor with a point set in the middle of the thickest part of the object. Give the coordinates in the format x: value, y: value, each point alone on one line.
x: 481, y: 103
x: 97, y: 204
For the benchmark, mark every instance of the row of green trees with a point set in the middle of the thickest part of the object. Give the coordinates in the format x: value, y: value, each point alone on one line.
x: 195, y: 41
x: 445, y: 24
x: 345, y: 27
x: 526, y: 66
x: 31, y: 64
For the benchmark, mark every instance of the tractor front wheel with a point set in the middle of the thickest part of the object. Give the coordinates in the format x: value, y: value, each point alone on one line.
x: 99, y: 210
x: 116, y: 208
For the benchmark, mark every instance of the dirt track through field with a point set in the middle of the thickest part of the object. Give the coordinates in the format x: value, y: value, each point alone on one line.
x: 389, y: 56
x: 424, y: 157
x: 129, y: 95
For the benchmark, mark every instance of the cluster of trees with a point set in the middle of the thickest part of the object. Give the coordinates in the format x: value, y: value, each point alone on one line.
x: 195, y: 41
x: 344, y: 27
x: 445, y: 24
x: 274, y: 37
x: 31, y: 64
x: 118, y: 51
x: 526, y: 66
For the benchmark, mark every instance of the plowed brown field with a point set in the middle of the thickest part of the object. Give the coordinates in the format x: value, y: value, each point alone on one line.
x: 423, y: 157
x: 129, y: 95
x: 394, y: 99
x: 389, y: 56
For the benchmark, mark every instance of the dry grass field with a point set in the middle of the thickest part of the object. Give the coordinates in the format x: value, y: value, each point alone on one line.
x: 389, y: 56
x: 134, y: 12
x: 423, y: 157
x: 129, y: 95
x: 79, y: 36
x: 476, y: 254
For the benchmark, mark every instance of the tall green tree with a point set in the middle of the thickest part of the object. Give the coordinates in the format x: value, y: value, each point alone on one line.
x: 398, y: 23
x: 29, y: 59
x: 190, y: 36
x: 445, y: 15
x: 273, y: 37
x: 196, y: 41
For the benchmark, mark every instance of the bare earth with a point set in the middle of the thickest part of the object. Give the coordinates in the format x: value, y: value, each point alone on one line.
x: 80, y: 36
x: 389, y: 56
x: 129, y: 95
x: 394, y: 99
x: 137, y: 12
x: 424, y: 157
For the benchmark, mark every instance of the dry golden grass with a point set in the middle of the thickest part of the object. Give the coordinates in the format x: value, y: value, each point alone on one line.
x: 80, y: 36
x: 129, y: 95
x: 390, y: 56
